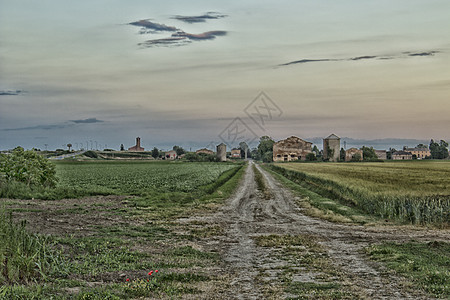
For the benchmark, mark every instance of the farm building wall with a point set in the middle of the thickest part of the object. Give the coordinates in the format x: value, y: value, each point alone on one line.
x: 292, y: 148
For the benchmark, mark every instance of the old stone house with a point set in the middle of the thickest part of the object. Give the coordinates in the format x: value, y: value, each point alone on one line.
x: 381, y: 154
x: 351, y: 154
x: 205, y: 151
x: 292, y: 148
x: 401, y: 155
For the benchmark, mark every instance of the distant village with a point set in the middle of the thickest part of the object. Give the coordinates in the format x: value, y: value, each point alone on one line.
x: 296, y: 149
x: 290, y: 149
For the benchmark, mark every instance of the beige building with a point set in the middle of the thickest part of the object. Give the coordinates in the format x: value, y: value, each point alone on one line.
x: 172, y: 154
x: 292, y: 148
x: 236, y: 153
x: 401, y: 155
x: 420, y: 153
x: 137, y: 147
x: 351, y: 154
x: 331, y: 147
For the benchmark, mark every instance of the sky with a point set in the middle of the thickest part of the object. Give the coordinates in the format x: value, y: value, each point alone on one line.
x: 197, y: 73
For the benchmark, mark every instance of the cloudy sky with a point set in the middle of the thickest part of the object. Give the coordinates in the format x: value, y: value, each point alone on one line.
x: 192, y: 72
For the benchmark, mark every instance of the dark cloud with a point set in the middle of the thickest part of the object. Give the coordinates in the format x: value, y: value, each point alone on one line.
x: 358, y: 58
x: 56, y: 126
x: 209, y: 35
x: 11, y: 93
x: 41, y: 127
x: 167, y: 42
x: 149, y: 27
x: 179, y: 37
x: 87, y: 121
x: 304, y: 61
x: 430, y: 53
x: 201, y: 18
x: 363, y: 57
x: 182, y: 38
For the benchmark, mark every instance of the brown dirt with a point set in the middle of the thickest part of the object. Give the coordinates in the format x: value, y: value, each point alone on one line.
x: 256, y: 270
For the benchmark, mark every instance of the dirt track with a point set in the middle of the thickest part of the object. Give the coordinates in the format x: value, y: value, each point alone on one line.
x: 256, y: 271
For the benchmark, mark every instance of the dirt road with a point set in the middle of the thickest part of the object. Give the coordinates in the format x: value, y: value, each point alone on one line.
x: 263, y: 272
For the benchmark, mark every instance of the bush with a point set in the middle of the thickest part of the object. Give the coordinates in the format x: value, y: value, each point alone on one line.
x: 28, y: 167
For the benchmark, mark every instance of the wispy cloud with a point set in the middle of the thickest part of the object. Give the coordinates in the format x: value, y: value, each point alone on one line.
x: 11, y: 93
x: 87, y: 121
x: 364, y: 57
x: 201, y: 18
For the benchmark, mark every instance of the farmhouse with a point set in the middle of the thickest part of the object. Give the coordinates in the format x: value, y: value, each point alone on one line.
x: 420, y: 153
x: 205, y: 151
x: 236, y: 153
x: 172, y: 154
x: 331, y: 147
x: 401, y: 155
x: 137, y: 147
x: 353, y: 154
x: 381, y: 154
x: 292, y: 148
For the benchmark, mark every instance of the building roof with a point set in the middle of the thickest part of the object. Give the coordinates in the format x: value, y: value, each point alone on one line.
x: 332, y: 137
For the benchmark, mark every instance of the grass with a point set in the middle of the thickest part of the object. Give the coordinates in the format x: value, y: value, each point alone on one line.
x: 305, y: 255
x: 261, y: 183
x: 414, y: 192
x: 426, y: 264
x: 316, y: 205
x: 131, y: 245
x: 26, y: 257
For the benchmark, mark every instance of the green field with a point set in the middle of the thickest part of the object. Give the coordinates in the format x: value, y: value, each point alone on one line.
x: 416, y: 191
x: 138, y: 178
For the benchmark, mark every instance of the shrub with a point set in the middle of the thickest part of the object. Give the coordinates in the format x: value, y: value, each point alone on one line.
x: 28, y: 167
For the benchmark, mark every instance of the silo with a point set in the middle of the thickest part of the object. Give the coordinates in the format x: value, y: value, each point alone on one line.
x: 331, y: 144
x: 222, y: 152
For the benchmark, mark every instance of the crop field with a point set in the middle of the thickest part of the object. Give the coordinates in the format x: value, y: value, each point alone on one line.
x: 415, y: 191
x: 138, y: 178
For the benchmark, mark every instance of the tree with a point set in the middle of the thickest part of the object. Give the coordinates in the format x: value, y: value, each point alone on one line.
x: 122, y: 148
x: 422, y: 146
x: 316, y: 150
x: 28, y: 167
x: 356, y: 157
x: 311, y: 157
x: 390, y: 152
x: 439, y: 150
x: 265, y: 148
x: 244, y: 148
x: 155, y: 153
x: 69, y: 146
x: 179, y: 150
x: 369, y: 154
x: 342, y: 154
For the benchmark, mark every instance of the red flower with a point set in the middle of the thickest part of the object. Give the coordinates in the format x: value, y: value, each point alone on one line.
x: 128, y: 279
x: 150, y: 273
x: 156, y: 271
